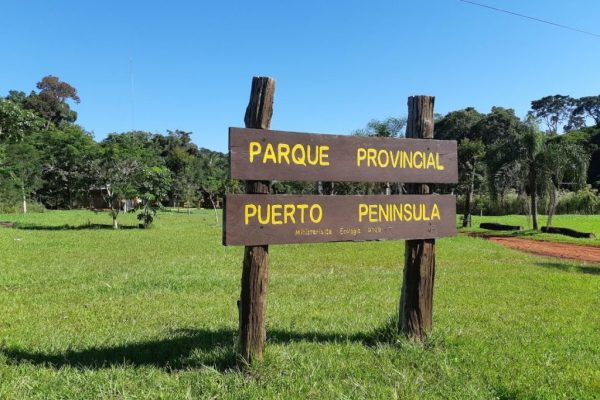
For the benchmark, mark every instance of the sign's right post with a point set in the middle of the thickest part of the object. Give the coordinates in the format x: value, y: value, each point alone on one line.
x: 416, y: 299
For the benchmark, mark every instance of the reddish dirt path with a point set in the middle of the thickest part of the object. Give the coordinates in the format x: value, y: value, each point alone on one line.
x: 551, y: 249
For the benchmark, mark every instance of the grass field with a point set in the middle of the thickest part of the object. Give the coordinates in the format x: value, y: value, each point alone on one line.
x: 582, y: 223
x: 88, y: 312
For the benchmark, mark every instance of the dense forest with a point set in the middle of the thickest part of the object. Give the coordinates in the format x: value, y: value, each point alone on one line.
x: 548, y: 162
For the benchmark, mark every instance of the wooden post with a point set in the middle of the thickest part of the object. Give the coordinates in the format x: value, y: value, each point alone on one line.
x: 416, y: 300
x: 255, y: 274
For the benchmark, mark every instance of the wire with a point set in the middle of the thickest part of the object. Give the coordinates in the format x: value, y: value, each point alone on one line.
x: 531, y: 18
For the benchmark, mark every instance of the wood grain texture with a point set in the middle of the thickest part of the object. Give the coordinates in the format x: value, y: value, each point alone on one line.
x: 393, y: 162
x: 255, y: 269
x: 280, y: 219
x: 416, y: 299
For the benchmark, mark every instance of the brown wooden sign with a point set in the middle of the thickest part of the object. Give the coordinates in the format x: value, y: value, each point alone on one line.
x: 258, y: 154
x: 278, y: 219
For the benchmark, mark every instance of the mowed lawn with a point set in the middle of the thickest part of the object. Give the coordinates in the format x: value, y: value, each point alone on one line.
x: 88, y: 312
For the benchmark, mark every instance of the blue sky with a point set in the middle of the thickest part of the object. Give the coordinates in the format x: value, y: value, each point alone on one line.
x: 338, y: 64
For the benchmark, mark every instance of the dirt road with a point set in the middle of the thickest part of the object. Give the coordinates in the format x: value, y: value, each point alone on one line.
x: 551, y: 249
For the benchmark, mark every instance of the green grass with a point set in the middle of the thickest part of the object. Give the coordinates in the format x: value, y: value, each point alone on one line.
x: 87, y: 312
x: 582, y: 223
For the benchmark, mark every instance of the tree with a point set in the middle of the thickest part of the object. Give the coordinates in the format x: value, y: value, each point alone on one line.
x: 22, y: 165
x: 214, y: 177
x: 500, y: 131
x: 553, y: 111
x: 470, y: 156
x: 390, y: 127
x: 588, y: 106
x: 499, y: 125
x: 16, y: 122
x: 116, y: 176
x: 67, y: 174
x: 154, y: 184
x: 51, y: 101
x: 459, y: 125
x: 532, y: 162
x: 563, y: 160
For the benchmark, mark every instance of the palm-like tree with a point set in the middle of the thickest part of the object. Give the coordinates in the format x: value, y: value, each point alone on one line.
x: 538, y: 164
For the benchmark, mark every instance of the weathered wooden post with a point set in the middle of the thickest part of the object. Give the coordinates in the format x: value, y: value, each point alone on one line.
x: 255, y: 274
x: 416, y: 300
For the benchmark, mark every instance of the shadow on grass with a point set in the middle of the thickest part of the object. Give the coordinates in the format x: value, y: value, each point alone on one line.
x: 582, y: 269
x: 189, y: 348
x: 66, y: 227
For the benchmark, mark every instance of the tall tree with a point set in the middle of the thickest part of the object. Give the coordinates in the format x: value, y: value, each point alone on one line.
x: 389, y: 127
x: 552, y: 111
x: 16, y: 122
x: 563, y: 159
x: 51, y: 101
x: 22, y: 166
x: 67, y: 174
x: 458, y: 125
x: 588, y: 106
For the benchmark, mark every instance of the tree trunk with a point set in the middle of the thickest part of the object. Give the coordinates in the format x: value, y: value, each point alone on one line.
x: 534, y: 204
x: 255, y: 274
x: 416, y: 300
x: 469, y: 201
x: 214, y: 209
x: 24, y: 199
x: 553, y: 201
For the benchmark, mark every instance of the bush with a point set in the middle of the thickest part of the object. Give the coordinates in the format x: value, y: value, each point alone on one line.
x: 584, y: 201
x: 510, y: 204
x: 11, y: 207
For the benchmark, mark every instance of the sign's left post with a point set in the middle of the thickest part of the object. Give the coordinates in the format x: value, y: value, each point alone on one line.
x: 255, y: 272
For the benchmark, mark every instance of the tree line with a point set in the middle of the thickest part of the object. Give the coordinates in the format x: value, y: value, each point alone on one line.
x: 47, y: 160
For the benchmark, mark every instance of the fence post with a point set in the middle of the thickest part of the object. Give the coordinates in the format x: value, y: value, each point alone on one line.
x: 255, y: 273
x: 416, y: 299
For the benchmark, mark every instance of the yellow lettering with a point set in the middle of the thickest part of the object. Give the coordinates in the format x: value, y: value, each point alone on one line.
x: 302, y: 208
x: 395, y: 159
x: 372, y: 212
x: 435, y: 211
x: 283, y: 151
x: 323, y: 155
x: 269, y: 154
x: 288, y: 213
x: 371, y: 154
x: 408, y: 215
x: 362, y: 211
x: 383, y: 163
x: 361, y: 154
x: 249, y: 212
x: 254, y: 149
x: 407, y: 161
x: 440, y: 167
x: 315, y: 160
x: 420, y: 164
x: 275, y: 214
x: 265, y: 220
x: 313, y: 218
x: 383, y: 213
x: 430, y: 161
x: 299, y: 158
x: 424, y: 213
x: 398, y: 212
